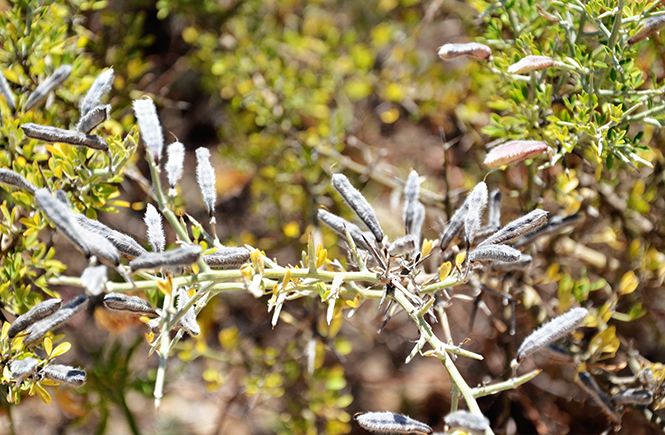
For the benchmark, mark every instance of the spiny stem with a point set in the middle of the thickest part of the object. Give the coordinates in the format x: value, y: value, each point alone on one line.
x: 487, y: 390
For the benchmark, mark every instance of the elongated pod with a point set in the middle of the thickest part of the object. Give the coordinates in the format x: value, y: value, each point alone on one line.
x: 7, y: 176
x: 37, y: 331
x: 131, y: 304
x: 358, y: 204
x: 550, y: 331
x: 389, y: 422
x: 58, y: 135
x: 183, y: 256
x: 40, y: 311
x: 226, y: 258
x: 56, y: 79
x: 62, y: 373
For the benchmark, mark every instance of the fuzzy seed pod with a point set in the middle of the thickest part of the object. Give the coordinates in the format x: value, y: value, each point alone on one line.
x: 122, y: 242
x: 531, y: 63
x: 131, y: 304
x: 551, y: 331
x: 466, y: 421
x: 6, y: 92
x: 37, y: 331
x: 153, y: 220
x: 93, y: 279
x: 650, y: 26
x: 59, y: 76
x: 389, y: 422
x: 62, y: 217
x: 477, y: 203
x: 54, y: 134
x: 455, y: 225
x: 188, y: 321
x: 227, y: 258
x: 358, y: 204
x: 93, y: 118
x: 151, y: 129
x: 183, y: 256
x: 40, y: 311
x: 633, y: 396
x: 418, y: 220
x: 403, y: 245
x: 598, y: 396
x: 100, y: 247
x: 494, y: 218
x: 554, y: 224
x: 205, y: 176
x: 23, y: 367
x: 514, y: 151
x: 62, y: 373
x: 473, y: 50
x: 411, y: 192
x: 522, y: 263
x: 61, y: 196
x: 99, y: 88
x: 527, y: 223
x: 502, y: 253
x: 174, y: 166
x: 7, y: 176
x: 340, y: 225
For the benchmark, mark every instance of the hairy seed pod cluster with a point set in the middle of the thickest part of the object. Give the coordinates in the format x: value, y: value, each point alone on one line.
x: 62, y: 373
x: 650, y: 26
x: 93, y: 118
x: 389, y: 422
x: 205, y: 176
x: 551, y: 331
x: 58, y: 135
x: 358, y: 204
x: 131, y: 304
x: 153, y: 220
x: 151, y: 129
x: 466, y: 421
x: 188, y: 321
x: 37, y: 331
x: 183, y: 256
x: 514, y: 151
x: 454, y: 226
x: 122, y: 242
x: 588, y: 384
x: 523, y: 225
x: 7, y: 176
x: 473, y: 50
x: 99, y: 88
x: 633, y: 396
x: 62, y: 217
x: 531, y: 63
x: 227, y: 258
x: 174, y: 165
x: 340, y: 226
x: 6, y: 92
x: 477, y: 203
x: 503, y: 253
x: 40, y: 311
x: 56, y: 79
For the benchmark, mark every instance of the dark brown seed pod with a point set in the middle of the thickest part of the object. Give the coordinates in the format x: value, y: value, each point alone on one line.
x: 131, y: 304
x: 650, y: 26
x: 62, y: 373
x: 551, y: 331
x: 466, y: 421
x: 56, y: 79
x: 62, y: 217
x: 183, y: 256
x: 358, y: 204
x: 598, y: 396
x: 59, y: 135
x: 527, y: 223
x: 227, y: 258
x: 40, y: 311
x: 389, y: 422
x: 37, y: 331
x: 121, y: 241
x: 7, y: 176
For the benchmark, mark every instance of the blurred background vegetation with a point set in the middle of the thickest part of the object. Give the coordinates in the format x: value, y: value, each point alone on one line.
x: 286, y: 91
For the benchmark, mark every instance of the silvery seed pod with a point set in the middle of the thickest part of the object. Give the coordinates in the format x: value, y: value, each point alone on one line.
x: 531, y: 63
x: 183, y: 256
x: 502, y: 253
x: 554, y: 224
x: 494, y: 210
x: 477, y: 203
x: 598, y: 396
x: 99, y: 88
x: 151, y: 129
x: 37, y: 331
x: 403, y: 245
x: 62, y: 217
x: 418, y: 220
x: 527, y: 223
x: 227, y: 258
x: 514, y: 151
x: 93, y: 279
x: 58, y: 135
x: 650, y: 26
x: 6, y: 92
x: 633, y: 396
x: 121, y: 241
x: 205, y: 176
x: 521, y: 264
x: 62, y: 373
x: 188, y: 321
x: 466, y: 421
x: 61, y: 196
x: 100, y: 247
x: 93, y: 118
x: 23, y: 368
x: 340, y: 225
x: 153, y: 220
x: 59, y: 76
x: 358, y: 204
x: 40, y: 311
x: 473, y: 50
x: 551, y: 331
x: 455, y: 225
x: 131, y: 304
x: 7, y: 176
x: 389, y: 422
x: 174, y: 165
x: 411, y: 193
